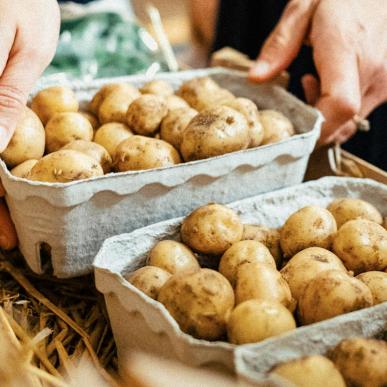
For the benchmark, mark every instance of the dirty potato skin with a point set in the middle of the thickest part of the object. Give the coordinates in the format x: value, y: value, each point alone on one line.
x: 139, y: 153
x: 23, y: 169
x: 214, y: 132
x: 175, y: 102
x: 276, y: 126
x: 311, y: 226
x: 200, y: 302
x: 361, y: 245
x: 331, y: 294
x: 149, y: 279
x: 362, y: 362
x: 211, y: 229
x: 377, y: 283
x: 158, y: 87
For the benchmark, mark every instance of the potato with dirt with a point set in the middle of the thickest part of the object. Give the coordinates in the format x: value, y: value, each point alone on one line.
x: 377, y: 283
x: 23, y: 170
x: 276, y: 126
x: 157, y: 87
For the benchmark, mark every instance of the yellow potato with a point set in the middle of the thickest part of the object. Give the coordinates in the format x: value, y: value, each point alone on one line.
x: 52, y: 100
x: 23, y: 169
x: 92, y: 119
x: 64, y: 128
x: 377, y: 283
x: 157, y: 87
x: 172, y: 256
x: 175, y: 102
x: 276, y: 126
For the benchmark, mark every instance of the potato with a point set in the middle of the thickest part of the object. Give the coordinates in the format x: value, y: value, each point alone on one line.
x: 211, y: 229
x: 23, y: 169
x: 172, y: 256
x: 92, y: 119
x: 361, y: 245
x: 145, y: 114
x: 306, y: 265
x: 157, y: 87
x: 331, y: 294
x: 52, y: 100
x: 256, y: 320
x: 276, y: 126
x: 377, y: 283
x: 240, y: 253
x: 64, y: 166
x: 270, y: 237
x: 256, y: 280
x: 174, y: 124
x: 200, y: 302
x: 111, y: 135
x: 149, y: 279
x: 175, y: 102
x: 214, y: 132
x: 385, y: 222
x: 346, y: 209
x: 94, y: 150
x: 362, y: 362
x: 315, y: 370
x: 64, y: 128
x: 310, y: 226
x: 139, y: 152
x: 27, y: 141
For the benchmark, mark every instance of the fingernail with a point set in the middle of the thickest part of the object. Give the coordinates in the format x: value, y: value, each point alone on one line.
x: 260, y: 68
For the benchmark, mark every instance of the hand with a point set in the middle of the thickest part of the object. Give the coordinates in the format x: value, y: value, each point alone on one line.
x: 349, y: 40
x: 29, y: 32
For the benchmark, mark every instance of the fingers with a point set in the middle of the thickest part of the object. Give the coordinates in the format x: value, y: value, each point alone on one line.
x: 311, y: 88
x: 284, y: 43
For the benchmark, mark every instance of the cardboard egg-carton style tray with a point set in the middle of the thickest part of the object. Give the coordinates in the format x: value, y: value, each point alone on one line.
x: 75, y: 218
x: 139, y: 322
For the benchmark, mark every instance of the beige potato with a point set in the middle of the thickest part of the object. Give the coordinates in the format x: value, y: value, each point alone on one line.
x: 52, y: 100
x: 362, y: 362
x: 270, y: 237
x: 331, y: 294
x: 377, y: 283
x: 64, y: 166
x: 157, y: 87
x: 23, y: 169
x: 149, y: 279
x: 346, y: 209
x: 256, y: 320
x: 276, y: 126
x: 256, y: 280
x: 175, y: 102
x: 240, y: 253
x: 111, y: 135
x: 172, y: 256
x: 92, y: 119
x: 200, y: 302
x: 361, y: 245
x: 145, y: 114
x: 64, y: 128
x: 310, y: 226
x: 174, y: 124
x: 94, y: 150
x: 315, y: 370
x: 139, y: 153
x: 27, y: 141
x: 214, y: 132
x: 211, y: 229
x: 306, y: 265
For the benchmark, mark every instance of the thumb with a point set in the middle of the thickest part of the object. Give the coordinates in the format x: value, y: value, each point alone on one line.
x: 284, y: 43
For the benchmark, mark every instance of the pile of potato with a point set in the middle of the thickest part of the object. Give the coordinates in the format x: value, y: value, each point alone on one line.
x: 127, y: 129
x: 320, y: 264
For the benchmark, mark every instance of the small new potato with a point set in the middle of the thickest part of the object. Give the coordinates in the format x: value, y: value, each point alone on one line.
x: 214, y: 132
x: 23, y: 170
x: 311, y: 226
x: 64, y: 128
x: 240, y: 253
x: 361, y: 245
x: 139, y: 152
x: 331, y: 294
x: 200, y: 302
x: 64, y: 166
x: 157, y: 87
x: 276, y: 126
x: 172, y: 256
x: 52, y: 100
x: 111, y: 135
x: 211, y: 229
x: 175, y: 102
x: 315, y: 370
x: 346, y: 209
x: 362, y: 362
x: 92, y: 119
x: 27, y: 142
x: 256, y: 320
x: 94, y: 150
x: 377, y: 283
x: 149, y: 279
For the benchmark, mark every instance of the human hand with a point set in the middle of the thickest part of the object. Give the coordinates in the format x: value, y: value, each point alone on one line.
x: 349, y: 40
x: 29, y: 32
